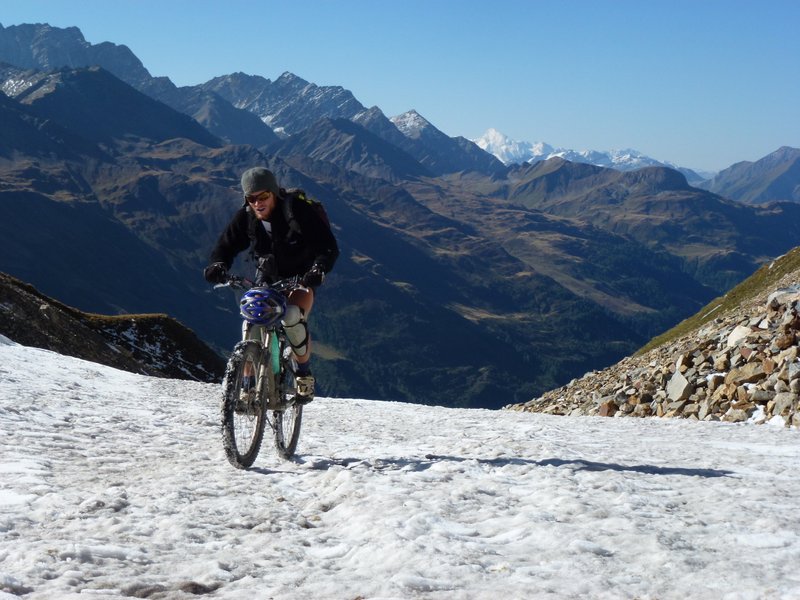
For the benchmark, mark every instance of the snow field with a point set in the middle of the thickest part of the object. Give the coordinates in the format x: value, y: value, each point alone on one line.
x: 115, y: 485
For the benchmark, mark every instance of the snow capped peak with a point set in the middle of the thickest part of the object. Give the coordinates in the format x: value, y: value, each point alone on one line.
x: 410, y: 122
x: 512, y: 151
x: 289, y: 76
x: 517, y: 152
x: 492, y: 137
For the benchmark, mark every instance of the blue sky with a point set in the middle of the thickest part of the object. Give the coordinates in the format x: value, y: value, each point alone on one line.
x: 701, y: 83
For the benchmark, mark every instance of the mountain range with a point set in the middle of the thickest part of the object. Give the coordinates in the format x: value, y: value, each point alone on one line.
x: 462, y: 281
x: 512, y: 152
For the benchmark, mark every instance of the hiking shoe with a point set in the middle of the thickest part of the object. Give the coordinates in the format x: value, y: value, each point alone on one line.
x: 305, y: 389
x: 246, y: 402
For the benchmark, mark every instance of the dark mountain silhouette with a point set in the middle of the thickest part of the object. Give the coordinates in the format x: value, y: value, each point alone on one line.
x: 219, y: 116
x: 42, y: 47
x: 375, y: 121
x: 290, y: 105
x: 26, y: 134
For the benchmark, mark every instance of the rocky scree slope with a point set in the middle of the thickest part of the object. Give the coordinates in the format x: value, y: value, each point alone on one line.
x: 737, y: 362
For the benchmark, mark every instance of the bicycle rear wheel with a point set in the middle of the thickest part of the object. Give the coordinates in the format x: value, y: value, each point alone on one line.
x: 287, y: 420
x: 244, y: 409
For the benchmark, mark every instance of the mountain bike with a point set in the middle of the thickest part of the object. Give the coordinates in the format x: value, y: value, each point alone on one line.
x: 259, y: 384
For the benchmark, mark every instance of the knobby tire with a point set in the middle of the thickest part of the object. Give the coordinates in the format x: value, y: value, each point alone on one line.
x: 243, y: 417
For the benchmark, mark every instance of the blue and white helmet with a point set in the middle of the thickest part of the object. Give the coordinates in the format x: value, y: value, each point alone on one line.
x: 262, y: 306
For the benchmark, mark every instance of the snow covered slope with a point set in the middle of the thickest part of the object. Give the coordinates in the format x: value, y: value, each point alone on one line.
x: 115, y: 485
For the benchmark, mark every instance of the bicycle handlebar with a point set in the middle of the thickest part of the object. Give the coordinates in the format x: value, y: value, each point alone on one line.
x: 243, y: 283
x: 236, y: 282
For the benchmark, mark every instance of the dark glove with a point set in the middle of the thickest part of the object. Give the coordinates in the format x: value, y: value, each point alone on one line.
x: 216, y: 273
x: 314, y: 277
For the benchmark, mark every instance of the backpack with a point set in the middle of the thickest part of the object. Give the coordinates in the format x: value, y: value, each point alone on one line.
x: 288, y: 211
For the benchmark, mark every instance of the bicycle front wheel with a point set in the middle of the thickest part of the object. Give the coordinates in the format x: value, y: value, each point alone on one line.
x: 244, y: 406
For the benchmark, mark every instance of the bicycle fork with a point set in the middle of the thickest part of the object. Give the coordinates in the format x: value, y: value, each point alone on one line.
x: 269, y: 369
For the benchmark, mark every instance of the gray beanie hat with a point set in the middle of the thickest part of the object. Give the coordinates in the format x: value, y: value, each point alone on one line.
x: 259, y: 179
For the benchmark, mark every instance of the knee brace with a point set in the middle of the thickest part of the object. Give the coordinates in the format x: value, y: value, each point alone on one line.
x: 294, y: 324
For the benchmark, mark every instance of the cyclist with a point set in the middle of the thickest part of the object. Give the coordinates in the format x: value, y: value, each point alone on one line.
x: 306, y: 248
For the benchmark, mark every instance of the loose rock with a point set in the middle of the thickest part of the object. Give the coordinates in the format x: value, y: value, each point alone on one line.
x: 745, y: 366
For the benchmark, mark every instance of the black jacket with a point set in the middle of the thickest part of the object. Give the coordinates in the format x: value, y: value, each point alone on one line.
x: 295, y: 253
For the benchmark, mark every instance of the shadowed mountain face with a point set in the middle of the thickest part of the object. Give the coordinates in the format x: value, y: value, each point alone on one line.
x: 101, y: 108
x: 122, y: 225
x: 24, y: 134
x: 342, y: 142
x: 458, y: 283
x: 46, y: 48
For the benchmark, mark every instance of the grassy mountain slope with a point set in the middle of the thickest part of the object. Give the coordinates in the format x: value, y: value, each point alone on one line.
x: 719, y: 241
x: 765, y: 279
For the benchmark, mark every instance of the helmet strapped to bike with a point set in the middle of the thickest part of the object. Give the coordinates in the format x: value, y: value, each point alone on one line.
x: 262, y: 306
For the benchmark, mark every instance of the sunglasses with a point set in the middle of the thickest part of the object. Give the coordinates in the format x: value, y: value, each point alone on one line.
x: 253, y: 198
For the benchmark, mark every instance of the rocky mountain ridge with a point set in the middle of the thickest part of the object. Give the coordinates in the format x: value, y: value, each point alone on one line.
x: 238, y: 108
x: 150, y: 344
x: 288, y: 104
x: 40, y: 47
x: 740, y: 362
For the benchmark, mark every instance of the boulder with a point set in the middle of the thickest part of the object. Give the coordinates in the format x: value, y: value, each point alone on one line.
x: 679, y: 388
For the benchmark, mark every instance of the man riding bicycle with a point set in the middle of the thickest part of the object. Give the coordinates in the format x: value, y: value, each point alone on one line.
x: 305, y: 248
